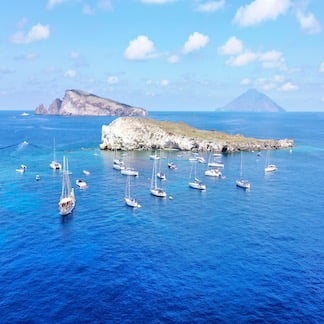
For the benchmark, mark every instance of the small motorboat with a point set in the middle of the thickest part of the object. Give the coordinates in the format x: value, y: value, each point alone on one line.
x: 201, y: 159
x: 154, y: 157
x: 20, y: 170
x: 37, y: 178
x: 86, y: 172
x: 216, y: 165
x: 81, y: 184
x: 172, y: 166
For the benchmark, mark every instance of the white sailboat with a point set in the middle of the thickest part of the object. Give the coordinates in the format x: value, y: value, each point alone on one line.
x: 268, y: 166
x: 129, y: 172
x: 67, y: 200
x: 161, y: 175
x: 154, y: 156
x: 54, y: 164
x: 196, y: 183
x: 155, y: 190
x: 245, y: 184
x: 131, y: 202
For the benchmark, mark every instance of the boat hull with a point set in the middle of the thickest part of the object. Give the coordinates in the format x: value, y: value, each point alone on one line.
x: 158, y: 193
x: 132, y: 203
x: 198, y: 186
x: 244, y: 184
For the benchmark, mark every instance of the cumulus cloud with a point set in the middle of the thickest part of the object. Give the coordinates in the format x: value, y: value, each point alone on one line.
x: 172, y: 59
x: 36, y: 33
x: 105, y: 5
x: 112, y: 79
x: 260, y: 10
x: 245, y: 81
x: 70, y: 74
x: 242, y: 59
x: 289, y: 87
x: 308, y: 22
x: 241, y: 56
x: 195, y: 42
x: 141, y: 48
x: 321, y: 68
x: 210, y: 6
x: 74, y: 55
x: 233, y: 46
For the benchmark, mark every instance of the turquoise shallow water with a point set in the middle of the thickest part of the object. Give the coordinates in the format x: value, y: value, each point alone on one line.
x: 220, y: 255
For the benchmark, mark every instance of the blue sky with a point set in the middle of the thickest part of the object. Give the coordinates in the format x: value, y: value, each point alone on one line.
x: 162, y: 54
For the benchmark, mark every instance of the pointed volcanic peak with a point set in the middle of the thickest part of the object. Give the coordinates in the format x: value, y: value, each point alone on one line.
x: 252, y: 101
x: 82, y: 103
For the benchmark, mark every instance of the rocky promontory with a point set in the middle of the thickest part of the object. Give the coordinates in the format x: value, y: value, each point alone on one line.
x: 130, y: 133
x: 81, y: 103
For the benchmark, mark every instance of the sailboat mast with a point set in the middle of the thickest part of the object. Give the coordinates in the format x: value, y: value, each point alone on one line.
x: 54, y: 150
x: 241, y: 171
x: 153, y: 175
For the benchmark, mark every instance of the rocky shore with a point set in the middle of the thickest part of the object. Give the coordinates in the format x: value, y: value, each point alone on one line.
x: 81, y: 103
x: 142, y: 134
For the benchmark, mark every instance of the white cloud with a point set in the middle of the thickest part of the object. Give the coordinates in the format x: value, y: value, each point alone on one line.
x: 173, y: 59
x: 52, y: 3
x: 242, y: 59
x: 279, y: 78
x: 157, y: 1
x: 308, y: 22
x: 195, y: 42
x: 321, y: 68
x: 113, y: 79
x: 260, y: 10
x: 164, y: 83
x: 37, y: 33
x: 70, y: 74
x: 27, y: 57
x: 210, y: 6
x: 245, y: 81
x: 233, y: 46
x: 272, y: 59
x: 289, y: 87
x: 141, y: 48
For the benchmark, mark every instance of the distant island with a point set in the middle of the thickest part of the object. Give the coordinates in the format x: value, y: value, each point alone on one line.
x: 252, y: 101
x: 81, y: 103
x: 130, y: 133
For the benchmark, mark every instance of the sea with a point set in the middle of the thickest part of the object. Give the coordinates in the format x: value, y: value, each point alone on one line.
x: 224, y: 255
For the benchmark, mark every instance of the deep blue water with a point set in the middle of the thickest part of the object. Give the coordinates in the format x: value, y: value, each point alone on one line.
x: 224, y: 255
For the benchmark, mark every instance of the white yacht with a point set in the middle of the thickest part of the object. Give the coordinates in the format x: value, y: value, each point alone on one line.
x: 131, y: 202
x: 268, y: 166
x: 154, y: 189
x: 129, y: 172
x: 196, y: 183
x: 245, y: 184
x: 81, y: 184
x: 213, y: 173
x: 67, y: 200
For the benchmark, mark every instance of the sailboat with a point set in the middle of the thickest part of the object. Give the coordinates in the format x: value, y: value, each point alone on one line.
x: 54, y: 164
x: 245, y: 184
x: 196, y: 183
x: 131, y: 202
x: 269, y: 167
x: 67, y: 200
x: 155, y: 190
x: 160, y: 174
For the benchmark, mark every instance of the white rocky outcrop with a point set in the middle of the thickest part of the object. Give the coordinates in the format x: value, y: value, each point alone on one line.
x: 129, y: 133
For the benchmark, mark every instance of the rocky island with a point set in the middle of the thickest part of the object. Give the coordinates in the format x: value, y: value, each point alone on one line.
x: 130, y: 133
x: 81, y: 103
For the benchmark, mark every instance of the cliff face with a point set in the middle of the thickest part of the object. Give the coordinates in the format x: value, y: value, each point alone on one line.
x: 81, y: 103
x: 129, y: 133
x: 252, y: 101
